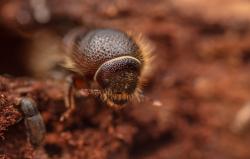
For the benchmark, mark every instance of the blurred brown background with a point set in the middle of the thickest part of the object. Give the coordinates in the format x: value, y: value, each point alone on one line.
x: 199, y: 96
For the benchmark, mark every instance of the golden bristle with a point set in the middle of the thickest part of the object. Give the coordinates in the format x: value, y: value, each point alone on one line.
x: 146, y: 48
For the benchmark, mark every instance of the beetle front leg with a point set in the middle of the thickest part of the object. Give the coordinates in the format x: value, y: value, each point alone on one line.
x: 69, y: 99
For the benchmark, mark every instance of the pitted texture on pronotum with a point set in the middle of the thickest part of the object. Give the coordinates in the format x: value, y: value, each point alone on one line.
x: 119, y: 75
x: 101, y: 45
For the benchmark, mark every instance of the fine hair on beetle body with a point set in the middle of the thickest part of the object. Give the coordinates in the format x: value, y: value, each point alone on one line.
x: 119, y: 62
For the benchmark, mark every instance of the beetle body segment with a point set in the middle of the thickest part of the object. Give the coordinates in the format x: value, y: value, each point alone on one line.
x: 119, y: 78
x: 33, y: 122
x: 99, y: 46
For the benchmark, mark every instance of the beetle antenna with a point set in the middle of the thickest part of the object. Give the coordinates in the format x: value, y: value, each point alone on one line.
x: 89, y: 92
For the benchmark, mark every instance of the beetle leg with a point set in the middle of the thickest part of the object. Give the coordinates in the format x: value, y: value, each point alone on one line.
x: 69, y: 99
x: 33, y: 121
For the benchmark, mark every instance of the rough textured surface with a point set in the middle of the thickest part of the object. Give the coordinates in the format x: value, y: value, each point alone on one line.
x: 102, y: 45
x: 193, y: 102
